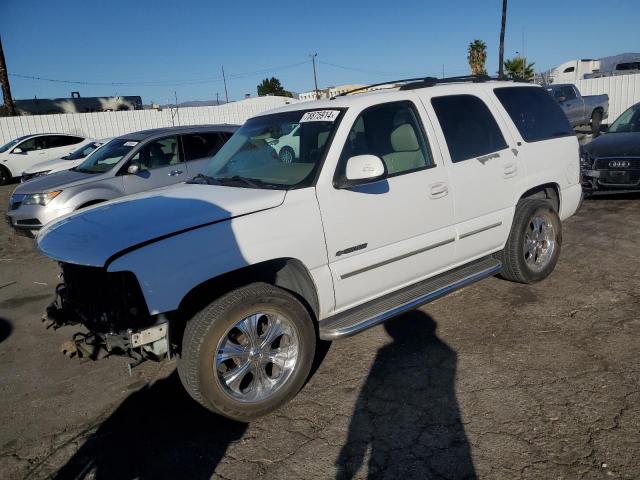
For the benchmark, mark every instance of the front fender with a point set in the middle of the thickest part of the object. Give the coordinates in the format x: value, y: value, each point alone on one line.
x: 169, y: 268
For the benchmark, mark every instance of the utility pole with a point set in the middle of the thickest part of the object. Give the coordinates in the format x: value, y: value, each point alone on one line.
x: 502, y: 28
x: 224, y: 79
x: 443, y: 70
x: 175, y: 95
x: 4, y: 82
x: 217, y: 98
x: 315, y: 79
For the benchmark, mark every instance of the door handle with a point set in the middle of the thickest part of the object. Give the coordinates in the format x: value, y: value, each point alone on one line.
x: 439, y: 190
x: 510, y: 170
x: 173, y: 173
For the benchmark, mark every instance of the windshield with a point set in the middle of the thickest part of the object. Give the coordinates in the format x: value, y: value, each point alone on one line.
x: 629, y: 121
x: 105, y: 158
x: 11, y: 144
x: 282, y: 150
x: 82, y: 152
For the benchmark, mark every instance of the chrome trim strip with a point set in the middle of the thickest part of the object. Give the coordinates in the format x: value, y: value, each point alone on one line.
x: 426, y: 298
x: 395, y: 259
x: 479, y: 230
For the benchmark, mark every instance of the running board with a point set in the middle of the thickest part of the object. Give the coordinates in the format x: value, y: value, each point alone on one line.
x: 376, y: 311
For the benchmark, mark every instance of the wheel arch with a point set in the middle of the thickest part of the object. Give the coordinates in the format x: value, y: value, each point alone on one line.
x: 545, y: 191
x: 287, y: 273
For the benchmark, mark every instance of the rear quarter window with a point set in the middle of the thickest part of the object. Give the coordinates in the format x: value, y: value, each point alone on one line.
x: 535, y: 114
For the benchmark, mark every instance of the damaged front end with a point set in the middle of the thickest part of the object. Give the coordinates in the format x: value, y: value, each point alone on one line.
x: 111, y: 306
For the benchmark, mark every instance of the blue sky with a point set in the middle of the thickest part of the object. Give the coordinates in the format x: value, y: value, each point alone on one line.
x: 159, y: 46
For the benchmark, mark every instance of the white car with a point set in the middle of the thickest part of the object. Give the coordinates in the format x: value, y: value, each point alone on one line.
x: 67, y: 162
x: 287, y: 146
x: 396, y: 198
x: 24, y: 152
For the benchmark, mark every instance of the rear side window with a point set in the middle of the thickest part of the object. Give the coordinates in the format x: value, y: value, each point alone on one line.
x: 468, y: 126
x: 535, y: 114
x: 54, y: 141
x: 201, y: 145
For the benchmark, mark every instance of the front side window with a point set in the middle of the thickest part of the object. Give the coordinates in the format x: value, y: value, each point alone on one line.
x: 250, y: 159
x: 569, y: 70
x: 157, y: 154
x: 11, y: 144
x: 534, y: 113
x: 201, y: 145
x: 628, y: 121
x: 35, y: 143
x: 106, y: 157
x: 468, y: 126
x: 391, y: 132
x: 568, y: 93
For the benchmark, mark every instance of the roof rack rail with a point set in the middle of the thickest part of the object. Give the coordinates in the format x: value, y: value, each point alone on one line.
x: 421, y: 82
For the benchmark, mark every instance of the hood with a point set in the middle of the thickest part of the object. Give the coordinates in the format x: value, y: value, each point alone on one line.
x: 624, y: 144
x: 55, y: 165
x: 57, y: 181
x: 92, y: 236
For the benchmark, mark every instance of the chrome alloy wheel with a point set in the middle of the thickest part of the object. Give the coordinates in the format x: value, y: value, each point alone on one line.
x: 539, y: 243
x: 257, y: 356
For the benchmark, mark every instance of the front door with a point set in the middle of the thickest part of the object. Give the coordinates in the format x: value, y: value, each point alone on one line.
x: 395, y: 231
x: 159, y: 163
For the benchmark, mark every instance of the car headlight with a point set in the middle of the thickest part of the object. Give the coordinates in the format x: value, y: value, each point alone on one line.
x: 40, y: 198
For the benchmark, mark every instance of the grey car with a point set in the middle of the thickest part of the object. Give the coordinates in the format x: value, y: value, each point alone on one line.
x: 128, y: 164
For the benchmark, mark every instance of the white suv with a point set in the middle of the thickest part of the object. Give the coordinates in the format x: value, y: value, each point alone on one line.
x: 394, y: 198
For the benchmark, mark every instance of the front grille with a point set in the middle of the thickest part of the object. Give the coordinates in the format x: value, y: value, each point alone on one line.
x: 629, y: 163
x: 106, y: 302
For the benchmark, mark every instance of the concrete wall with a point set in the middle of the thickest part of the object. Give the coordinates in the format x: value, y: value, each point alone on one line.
x: 623, y: 91
x: 109, y: 124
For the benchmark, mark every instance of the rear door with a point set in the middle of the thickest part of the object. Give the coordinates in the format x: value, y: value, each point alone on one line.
x: 160, y: 163
x: 484, y: 169
x: 200, y: 147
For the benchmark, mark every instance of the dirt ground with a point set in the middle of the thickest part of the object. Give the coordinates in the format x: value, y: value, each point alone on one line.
x: 497, y: 381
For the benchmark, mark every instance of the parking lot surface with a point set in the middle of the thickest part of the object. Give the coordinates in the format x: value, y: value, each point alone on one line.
x: 497, y: 381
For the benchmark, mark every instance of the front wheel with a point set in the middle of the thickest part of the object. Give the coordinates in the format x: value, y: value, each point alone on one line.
x: 533, y: 246
x: 248, y: 352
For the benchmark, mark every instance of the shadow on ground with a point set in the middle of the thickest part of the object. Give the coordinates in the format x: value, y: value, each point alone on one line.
x: 157, y: 432
x: 5, y: 329
x: 407, y: 414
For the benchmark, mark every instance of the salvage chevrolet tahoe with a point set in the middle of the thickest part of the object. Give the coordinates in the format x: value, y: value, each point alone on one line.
x: 393, y: 199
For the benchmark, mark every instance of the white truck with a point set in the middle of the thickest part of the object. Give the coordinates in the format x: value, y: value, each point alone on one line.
x: 395, y: 198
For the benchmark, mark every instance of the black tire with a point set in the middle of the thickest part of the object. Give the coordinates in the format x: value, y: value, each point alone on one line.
x: 212, y: 325
x: 5, y: 175
x: 596, y: 122
x: 514, y: 265
x: 287, y: 155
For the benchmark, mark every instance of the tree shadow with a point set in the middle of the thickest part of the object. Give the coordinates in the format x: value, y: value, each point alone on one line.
x: 157, y: 432
x: 407, y: 414
x: 5, y: 329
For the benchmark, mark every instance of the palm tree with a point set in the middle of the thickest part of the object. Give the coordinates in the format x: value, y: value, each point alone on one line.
x: 502, y: 28
x: 517, y: 67
x: 477, y: 56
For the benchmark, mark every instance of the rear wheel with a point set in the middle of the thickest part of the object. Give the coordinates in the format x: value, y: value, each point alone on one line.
x: 287, y: 155
x: 248, y: 352
x: 5, y: 175
x: 533, y: 246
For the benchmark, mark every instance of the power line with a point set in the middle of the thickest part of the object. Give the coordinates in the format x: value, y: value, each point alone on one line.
x: 165, y: 82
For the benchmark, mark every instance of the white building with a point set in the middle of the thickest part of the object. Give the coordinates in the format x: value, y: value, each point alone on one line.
x: 329, y: 91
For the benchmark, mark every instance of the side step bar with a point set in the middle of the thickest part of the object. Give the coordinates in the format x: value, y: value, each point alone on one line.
x: 357, y: 319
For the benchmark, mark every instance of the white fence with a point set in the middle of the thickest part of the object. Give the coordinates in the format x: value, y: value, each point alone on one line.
x: 109, y: 124
x: 623, y: 91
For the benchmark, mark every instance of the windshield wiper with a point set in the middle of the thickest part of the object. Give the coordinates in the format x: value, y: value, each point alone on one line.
x: 250, y: 182
x: 201, y: 179
x: 83, y: 170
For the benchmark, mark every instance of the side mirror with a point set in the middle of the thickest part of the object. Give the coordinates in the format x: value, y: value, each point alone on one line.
x: 133, y: 169
x: 363, y: 169
x: 17, y: 150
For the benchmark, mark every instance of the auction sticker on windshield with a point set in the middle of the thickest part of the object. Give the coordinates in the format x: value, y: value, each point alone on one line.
x: 130, y: 144
x: 320, y: 116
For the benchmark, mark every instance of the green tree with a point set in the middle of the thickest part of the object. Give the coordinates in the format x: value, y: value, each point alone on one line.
x: 517, y: 67
x: 477, y: 56
x: 272, y: 86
